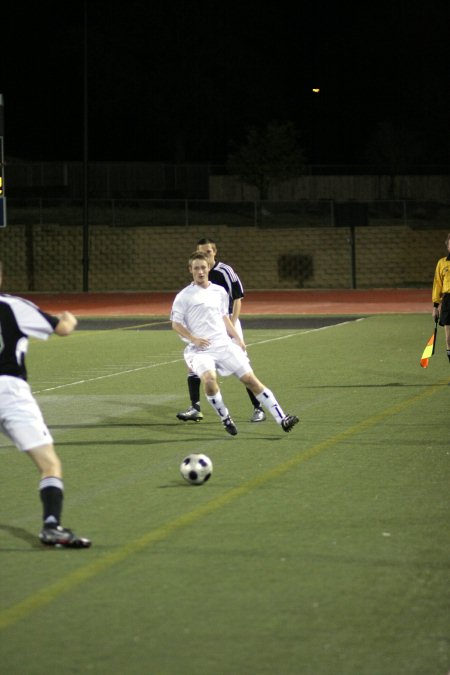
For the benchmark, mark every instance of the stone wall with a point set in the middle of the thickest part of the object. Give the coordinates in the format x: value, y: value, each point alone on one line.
x: 50, y: 258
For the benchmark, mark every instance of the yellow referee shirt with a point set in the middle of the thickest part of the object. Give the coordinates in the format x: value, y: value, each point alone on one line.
x: 441, y: 282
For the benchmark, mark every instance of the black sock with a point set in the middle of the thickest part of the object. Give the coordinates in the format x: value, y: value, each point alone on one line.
x: 51, y: 493
x: 194, y: 390
x: 253, y: 399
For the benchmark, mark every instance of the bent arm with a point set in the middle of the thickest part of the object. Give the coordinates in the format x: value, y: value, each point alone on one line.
x: 187, y: 335
x: 232, y: 332
x: 66, y: 324
x: 236, y: 310
x: 436, y: 293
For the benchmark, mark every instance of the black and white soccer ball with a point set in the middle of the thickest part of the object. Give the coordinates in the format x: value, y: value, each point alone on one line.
x: 196, y: 469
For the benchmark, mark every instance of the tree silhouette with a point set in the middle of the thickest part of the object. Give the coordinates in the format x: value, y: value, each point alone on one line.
x: 393, y: 150
x: 268, y: 157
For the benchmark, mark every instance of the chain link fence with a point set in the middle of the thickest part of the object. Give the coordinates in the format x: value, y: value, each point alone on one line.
x: 163, y: 212
x: 143, y: 244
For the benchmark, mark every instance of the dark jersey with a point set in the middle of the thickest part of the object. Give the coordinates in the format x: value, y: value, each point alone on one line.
x: 225, y: 276
x: 20, y: 319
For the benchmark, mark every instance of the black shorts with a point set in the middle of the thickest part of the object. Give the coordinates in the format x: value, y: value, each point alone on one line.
x: 444, y: 312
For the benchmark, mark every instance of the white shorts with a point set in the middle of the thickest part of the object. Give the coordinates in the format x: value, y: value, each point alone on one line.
x: 227, y: 360
x: 20, y: 416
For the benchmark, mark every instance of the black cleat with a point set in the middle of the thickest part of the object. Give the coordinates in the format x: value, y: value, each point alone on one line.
x: 230, y: 426
x: 190, y: 415
x: 56, y: 535
x: 288, y: 422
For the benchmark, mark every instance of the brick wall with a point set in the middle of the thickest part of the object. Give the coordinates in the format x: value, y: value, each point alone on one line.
x: 155, y: 258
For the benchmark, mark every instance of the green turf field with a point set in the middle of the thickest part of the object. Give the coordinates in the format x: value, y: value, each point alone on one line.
x: 321, y: 552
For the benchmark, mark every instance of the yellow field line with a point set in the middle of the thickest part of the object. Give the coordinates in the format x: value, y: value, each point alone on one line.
x: 52, y: 592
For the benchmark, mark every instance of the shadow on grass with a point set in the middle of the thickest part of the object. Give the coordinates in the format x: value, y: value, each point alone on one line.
x: 424, y: 385
x: 153, y: 441
x: 128, y: 442
x: 20, y: 533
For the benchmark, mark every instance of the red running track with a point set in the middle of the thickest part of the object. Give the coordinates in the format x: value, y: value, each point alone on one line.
x: 325, y: 302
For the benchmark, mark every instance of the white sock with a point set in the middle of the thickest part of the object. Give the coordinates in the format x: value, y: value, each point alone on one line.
x: 271, y: 404
x: 219, y: 406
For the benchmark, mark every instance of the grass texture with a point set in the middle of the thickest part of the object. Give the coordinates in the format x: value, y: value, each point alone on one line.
x: 320, y: 552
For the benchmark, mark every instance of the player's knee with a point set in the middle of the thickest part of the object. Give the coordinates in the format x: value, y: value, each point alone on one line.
x: 252, y: 383
x: 210, y: 382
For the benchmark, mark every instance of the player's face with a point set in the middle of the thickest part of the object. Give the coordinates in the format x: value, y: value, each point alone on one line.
x: 210, y: 250
x: 199, y: 270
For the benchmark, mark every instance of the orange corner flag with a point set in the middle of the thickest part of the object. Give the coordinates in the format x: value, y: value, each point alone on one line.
x: 429, y: 349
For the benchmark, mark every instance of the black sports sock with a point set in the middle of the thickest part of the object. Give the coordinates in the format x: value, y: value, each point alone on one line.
x: 194, y: 390
x: 253, y: 399
x: 51, y: 493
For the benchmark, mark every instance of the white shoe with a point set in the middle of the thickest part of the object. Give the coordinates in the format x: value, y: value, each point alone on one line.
x: 258, y: 415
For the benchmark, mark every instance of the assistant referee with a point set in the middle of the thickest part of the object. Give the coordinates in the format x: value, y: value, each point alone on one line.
x: 441, y: 294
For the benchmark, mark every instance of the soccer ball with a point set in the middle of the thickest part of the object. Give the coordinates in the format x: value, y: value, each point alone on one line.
x: 196, y: 469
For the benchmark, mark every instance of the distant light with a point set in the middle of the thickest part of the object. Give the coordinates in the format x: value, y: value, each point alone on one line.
x: 316, y: 90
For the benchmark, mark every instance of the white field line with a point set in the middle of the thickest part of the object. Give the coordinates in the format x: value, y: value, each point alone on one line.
x: 169, y: 363
x: 303, y: 332
x: 104, y: 377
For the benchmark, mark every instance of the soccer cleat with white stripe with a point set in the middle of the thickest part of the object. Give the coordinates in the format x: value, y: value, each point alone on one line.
x: 56, y: 535
x: 230, y: 426
x: 288, y: 422
x: 190, y: 415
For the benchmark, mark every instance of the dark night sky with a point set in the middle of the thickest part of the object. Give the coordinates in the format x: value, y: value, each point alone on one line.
x: 174, y: 81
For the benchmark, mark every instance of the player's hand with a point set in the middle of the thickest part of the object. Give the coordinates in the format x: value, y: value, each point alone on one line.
x: 201, y: 343
x: 436, y: 313
x: 66, y: 324
x: 242, y: 345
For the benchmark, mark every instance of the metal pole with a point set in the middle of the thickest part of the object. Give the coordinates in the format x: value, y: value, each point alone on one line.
x: 85, y: 159
x: 353, y: 253
x: 2, y: 161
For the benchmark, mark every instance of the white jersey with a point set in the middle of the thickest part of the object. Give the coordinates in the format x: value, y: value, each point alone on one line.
x: 201, y: 311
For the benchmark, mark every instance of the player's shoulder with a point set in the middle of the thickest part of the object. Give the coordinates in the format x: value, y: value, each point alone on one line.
x: 227, y: 271
x: 224, y: 267
x: 6, y: 297
x: 16, y: 301
x: 216, y: 288
x: 186, y: 290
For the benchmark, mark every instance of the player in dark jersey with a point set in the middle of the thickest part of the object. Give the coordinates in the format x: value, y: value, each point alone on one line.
x: 225, y: 276
x: 20, y: 416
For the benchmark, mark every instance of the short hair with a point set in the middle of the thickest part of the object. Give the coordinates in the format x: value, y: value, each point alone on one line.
x: 206, y: 240
x: 197, y: 255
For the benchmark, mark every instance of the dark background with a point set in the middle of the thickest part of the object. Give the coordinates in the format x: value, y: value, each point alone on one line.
x: 181, y: 81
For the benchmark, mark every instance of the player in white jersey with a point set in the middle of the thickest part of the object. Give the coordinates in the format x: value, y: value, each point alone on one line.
x: 200, y: 317
x: 20, y: 416
x: 224, y: 275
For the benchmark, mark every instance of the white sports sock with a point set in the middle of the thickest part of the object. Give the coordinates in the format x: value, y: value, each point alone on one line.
x: 219, y: 406
x: 271, y: 404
